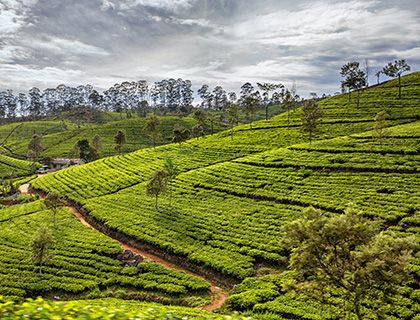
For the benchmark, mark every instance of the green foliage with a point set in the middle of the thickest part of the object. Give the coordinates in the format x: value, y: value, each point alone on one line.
x: 84, y: 260
x: 158, y: 184
x: 11, y: 167
x: 347, y: 257
x: 35, y: 146
x: 151, y: 128
x: 234, y: 197
x: 41, y: 247
x: 86, y: 152
x: 101, y: 309
x: 53, y: 201
x: 119, y: 140
x: 311, y: 116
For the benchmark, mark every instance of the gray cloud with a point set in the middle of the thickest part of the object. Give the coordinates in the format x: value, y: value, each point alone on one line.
x: 226, y: 42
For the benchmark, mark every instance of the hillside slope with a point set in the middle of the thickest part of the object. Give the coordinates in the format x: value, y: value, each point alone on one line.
x: 236, y: 192
x: 219, y: 195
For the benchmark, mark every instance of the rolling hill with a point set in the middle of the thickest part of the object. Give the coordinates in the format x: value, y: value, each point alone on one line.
x: 238, y: 188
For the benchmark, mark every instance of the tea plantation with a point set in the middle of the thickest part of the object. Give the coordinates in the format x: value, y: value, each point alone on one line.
x: 235, y: 192
x: 84, y: 263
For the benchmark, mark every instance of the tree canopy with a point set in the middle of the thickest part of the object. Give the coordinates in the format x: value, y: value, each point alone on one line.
x: 346, y: 260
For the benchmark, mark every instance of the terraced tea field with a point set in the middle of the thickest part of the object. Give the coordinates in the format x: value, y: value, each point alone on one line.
x: 84, y: 263
x: 236, y: 190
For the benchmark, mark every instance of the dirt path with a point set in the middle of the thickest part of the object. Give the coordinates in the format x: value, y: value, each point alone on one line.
x: 218, y: 296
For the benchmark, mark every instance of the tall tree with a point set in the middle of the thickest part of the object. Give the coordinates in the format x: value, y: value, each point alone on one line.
x: 206, y: 96
x: 41, y: 247
x: 396, y: 69
x: 152, y: 128
x: 35, y: 147
x: 354, y: 78
x: 119, y: 140
x: 311, y: 116
x: 157, y: 184
x: 250, y: 106
x: 347, y: 256
x: 219, y: 98
x: 267, y: 88
x: 53, y: 201
x: 35, y: 108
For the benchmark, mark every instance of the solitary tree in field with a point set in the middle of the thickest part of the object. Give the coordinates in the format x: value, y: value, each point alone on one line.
x: 345, y: 260
x: 151, y: 128
x: 157, y: 184
x: 396, y: 69
x: 35, y: 147
x: 172, y: 171
x: 354, y: 78
x: 41, y: 247
x: 119, y: 140
x: 311, y: 117
x: 86, y: 152
x: 97, y: 143
x: 380, y: 125
x: 53, y: 201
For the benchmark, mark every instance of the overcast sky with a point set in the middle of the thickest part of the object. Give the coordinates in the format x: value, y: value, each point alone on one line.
x: 219, y: 42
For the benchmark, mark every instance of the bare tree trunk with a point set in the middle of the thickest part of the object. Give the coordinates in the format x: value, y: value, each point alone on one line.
x: 266, y: 111
x: 156, y: 202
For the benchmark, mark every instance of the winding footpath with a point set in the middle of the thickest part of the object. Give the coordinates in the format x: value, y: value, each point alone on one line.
x: 218, y: 296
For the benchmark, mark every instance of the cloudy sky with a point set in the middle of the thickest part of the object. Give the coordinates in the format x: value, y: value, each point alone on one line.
x: 219, y: 42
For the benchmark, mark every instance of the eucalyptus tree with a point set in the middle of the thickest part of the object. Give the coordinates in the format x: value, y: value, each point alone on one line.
x: 206, y: 96
x: 267, y: 88
x: 396, y: 69
x: 354, y: 78
x: 35, y: 108
x: 219, y: 98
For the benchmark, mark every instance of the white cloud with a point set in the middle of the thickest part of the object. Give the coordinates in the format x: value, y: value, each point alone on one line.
x: 67, y: 47
x: 29, y: 76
